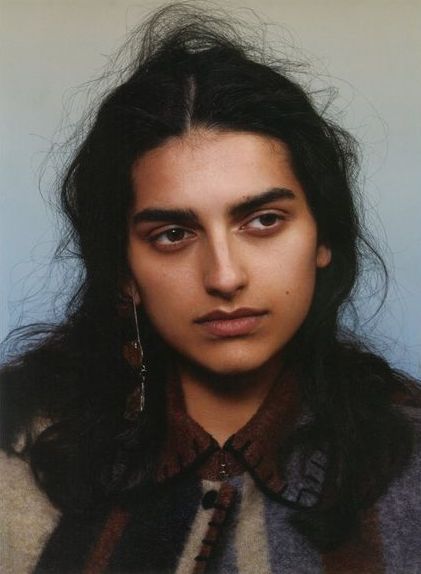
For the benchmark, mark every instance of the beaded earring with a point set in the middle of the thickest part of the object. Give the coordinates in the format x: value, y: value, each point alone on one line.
x: 133, y: 353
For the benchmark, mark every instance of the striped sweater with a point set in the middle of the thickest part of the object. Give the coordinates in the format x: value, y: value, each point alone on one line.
x: 226, y: 510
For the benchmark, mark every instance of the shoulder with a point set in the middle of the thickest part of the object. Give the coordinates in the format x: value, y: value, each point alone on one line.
x: 402, y: 501
x: 412, y: 414
x: 399, y: 509
x: 27, y: 517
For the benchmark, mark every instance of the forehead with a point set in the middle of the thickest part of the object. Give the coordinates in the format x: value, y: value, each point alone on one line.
x: 206, y: 169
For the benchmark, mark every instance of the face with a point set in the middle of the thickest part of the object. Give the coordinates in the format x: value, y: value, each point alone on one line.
x: 223, y: 248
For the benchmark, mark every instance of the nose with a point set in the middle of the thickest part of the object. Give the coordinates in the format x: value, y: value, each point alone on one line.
x: 224, y: 272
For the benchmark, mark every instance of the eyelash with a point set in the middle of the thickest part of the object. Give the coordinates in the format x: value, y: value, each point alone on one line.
x: 154, y: 239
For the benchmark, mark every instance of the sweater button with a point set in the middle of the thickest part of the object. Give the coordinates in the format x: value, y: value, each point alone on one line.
x: 209, y: 500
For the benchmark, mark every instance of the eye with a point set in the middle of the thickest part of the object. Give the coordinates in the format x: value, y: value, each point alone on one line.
x: 265, y: 221
x: 170, y: 237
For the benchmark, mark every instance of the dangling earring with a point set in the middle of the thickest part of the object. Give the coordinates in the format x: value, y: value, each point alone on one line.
x: 133, y: 353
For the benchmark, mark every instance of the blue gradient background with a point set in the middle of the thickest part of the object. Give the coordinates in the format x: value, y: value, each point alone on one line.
x: 370, y: 50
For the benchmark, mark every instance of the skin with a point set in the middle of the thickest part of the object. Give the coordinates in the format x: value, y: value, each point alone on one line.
x: 265, y: 258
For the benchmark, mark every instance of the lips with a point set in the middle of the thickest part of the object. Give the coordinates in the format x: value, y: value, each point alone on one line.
x: 239, y: 322
x: 219, y: 314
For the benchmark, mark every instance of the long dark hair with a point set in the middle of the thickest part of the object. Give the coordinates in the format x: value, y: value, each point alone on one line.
x: 192, y: 72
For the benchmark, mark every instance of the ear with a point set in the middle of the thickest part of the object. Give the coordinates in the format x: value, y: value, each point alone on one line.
x: 129, y: 290
x: 324, y: 256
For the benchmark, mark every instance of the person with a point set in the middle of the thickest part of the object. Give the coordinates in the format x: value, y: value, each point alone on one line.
x: 202, y: 408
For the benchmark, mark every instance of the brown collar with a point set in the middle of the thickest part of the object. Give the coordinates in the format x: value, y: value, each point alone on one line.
x: 253, y: 448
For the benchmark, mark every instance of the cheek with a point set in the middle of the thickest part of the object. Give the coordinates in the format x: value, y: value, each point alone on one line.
x: 293, y: 264
x: 167, y: 281
x: 294, y: 279
x: 165, y: 293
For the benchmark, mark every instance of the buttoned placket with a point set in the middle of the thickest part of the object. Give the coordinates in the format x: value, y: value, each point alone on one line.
x: 223, y: 471
x: 222, y: 501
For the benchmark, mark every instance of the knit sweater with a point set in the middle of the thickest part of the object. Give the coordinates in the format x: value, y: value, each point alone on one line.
x: 214, y: 510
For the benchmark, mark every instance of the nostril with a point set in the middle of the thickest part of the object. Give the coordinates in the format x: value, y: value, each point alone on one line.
x: 225, y: 280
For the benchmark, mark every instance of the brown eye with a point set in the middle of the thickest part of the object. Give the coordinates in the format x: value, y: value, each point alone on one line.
x: 268, y: 219
x: 176, y: 234
x: 170, y: 237
x: 265, y: 221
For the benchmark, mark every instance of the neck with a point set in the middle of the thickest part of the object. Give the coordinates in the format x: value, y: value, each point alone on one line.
x: 222, y: 404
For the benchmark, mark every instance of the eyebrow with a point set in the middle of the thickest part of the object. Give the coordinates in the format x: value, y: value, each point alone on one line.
x: 236, y: 211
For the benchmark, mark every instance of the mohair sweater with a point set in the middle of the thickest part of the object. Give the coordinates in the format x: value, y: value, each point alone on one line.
x: 214, y: 510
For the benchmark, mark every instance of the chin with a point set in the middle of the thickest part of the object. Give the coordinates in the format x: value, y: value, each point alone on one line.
x: 231, y: 370
x: 226, y: 366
